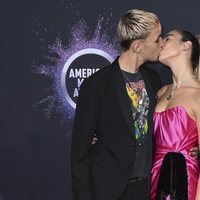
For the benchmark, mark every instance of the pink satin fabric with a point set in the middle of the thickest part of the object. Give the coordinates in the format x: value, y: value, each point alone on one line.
x: 174, y: 131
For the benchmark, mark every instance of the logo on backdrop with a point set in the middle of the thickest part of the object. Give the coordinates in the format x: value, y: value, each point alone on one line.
x: 68, y: 65
x: 80, y: 66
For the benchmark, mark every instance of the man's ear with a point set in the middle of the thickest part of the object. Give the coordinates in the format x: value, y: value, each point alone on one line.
x: 136, y: 46
x: 187, y: 45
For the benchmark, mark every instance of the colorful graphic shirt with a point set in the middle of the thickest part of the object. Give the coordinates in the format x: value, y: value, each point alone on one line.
x: 140, y: 105
x: 137, y: 93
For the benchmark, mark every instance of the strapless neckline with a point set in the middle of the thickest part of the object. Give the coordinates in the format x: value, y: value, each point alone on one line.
x: 175, y: 108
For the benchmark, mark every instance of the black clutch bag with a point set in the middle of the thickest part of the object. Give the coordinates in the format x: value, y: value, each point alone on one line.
x: 173, y: 178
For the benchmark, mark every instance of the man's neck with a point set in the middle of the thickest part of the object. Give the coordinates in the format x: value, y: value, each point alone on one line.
x: 129, y: 62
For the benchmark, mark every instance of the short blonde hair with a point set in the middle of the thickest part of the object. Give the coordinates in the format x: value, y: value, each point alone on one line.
x: 135, y: 24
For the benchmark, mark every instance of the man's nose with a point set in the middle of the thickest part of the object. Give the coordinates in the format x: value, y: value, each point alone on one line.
x: 161, y: 42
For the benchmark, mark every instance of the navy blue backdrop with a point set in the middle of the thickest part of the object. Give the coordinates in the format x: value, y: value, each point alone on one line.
x: 36, y: 121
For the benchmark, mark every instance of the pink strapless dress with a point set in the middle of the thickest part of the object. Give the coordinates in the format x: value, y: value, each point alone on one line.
x: 174, y: 131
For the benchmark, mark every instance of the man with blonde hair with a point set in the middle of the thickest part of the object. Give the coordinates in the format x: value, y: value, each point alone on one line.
x: 117, y: 104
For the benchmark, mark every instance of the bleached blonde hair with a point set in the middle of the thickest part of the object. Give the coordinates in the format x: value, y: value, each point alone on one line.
x: 135, y: 24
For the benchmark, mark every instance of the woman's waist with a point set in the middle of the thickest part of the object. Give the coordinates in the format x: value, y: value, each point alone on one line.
x: 160, y: 151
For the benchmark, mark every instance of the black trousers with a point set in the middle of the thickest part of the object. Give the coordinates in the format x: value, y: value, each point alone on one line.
x: 137, y: 190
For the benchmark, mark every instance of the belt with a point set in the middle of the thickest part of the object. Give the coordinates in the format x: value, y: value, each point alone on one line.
x: 136, y: 179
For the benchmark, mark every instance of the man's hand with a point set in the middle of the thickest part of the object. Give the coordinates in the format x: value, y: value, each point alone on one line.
x: 194, y: 152
x: 94, y: 139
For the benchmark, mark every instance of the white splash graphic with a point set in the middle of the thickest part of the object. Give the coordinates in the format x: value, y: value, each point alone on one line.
x: 79, y: 37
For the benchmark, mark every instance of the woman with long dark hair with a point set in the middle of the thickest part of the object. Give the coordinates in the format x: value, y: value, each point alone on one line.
x: 175, y: 174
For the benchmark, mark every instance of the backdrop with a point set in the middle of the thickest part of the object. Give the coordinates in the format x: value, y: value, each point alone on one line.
x: 47, y: 49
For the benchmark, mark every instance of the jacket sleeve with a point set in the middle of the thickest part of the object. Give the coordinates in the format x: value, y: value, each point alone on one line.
x: 85, y: 122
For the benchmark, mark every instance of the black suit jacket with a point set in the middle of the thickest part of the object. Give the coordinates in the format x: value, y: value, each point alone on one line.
x: 101, y: 171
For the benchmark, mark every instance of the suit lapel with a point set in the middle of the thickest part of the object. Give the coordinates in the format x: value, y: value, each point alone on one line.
x: 123, y: 98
